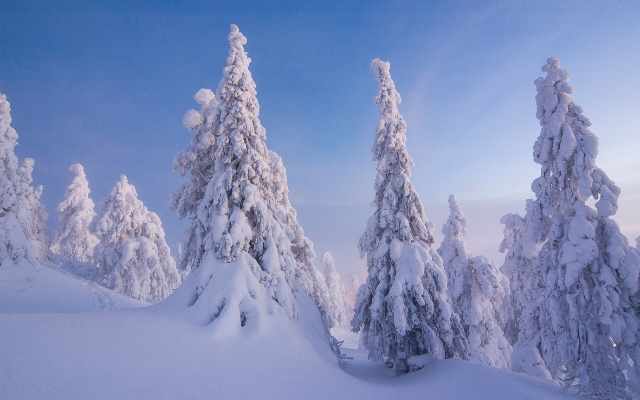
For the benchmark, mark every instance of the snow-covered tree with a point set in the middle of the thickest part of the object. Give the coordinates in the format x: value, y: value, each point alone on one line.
x: 337, y: 310
x: 132, y: 255
x: 22, y: 218
x: 477, y: 291
x: 74, y: 241
x: 403, y: 309
x: 525, y: 282
x: 236, y: 199
x: 582, y: 323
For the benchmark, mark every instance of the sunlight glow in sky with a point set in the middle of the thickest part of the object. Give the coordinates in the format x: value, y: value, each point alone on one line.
x: 107, y: 86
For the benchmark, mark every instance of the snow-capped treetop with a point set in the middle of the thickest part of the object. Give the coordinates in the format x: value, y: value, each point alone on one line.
x: 452, y: 250
x: 566, y: 150
x: 23, y: 234
x: 74, y: 240
x: 403, y: 309
x: 133, y: 257
x: 393, y: 188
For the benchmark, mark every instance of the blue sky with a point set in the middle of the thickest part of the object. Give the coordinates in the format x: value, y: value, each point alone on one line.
x: 106, y: 84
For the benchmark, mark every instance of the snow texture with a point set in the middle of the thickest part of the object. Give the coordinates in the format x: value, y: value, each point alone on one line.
x: 133, y: 257
x: 580, y: 322
x: 478, y: 291
x: 27, y: 288
x: 74, y: 242
x: 403, y: 309
x: 22, y: 219
x: 58, y: 342
x: 236, y: 200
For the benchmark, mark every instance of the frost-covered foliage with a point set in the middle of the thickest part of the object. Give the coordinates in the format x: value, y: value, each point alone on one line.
x: 403, y: 309
x: 580, y: 322
x: 478, y: 291
x: 74, y: 242
x: 22, y: 218
x: 236, y: 196
x: 132, y: 256
x: 337, y: 310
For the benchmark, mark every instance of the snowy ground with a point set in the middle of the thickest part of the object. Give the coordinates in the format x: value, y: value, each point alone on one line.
x: 55, y: 343
x: 39, y: 289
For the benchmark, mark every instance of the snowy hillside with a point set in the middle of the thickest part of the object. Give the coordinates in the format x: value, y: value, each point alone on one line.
x: 40, y: 289
x: 153, y: 353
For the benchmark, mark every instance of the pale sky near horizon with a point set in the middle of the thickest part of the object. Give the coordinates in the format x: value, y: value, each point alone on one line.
x: 106, y: 84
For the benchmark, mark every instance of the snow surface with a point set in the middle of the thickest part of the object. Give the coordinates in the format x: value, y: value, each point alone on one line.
x: 56, y: 344
x: 25, y: 288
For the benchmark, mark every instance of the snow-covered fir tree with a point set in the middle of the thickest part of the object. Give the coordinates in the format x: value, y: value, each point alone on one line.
x: 337, y: 309
x: 22, y: 218
x: 525, y: 283
x: 477, y: 291
x: 582, y: 322
x: 132, y: 255
x: 74, y: 242
x: 403, y: 309
x: 242, y: 225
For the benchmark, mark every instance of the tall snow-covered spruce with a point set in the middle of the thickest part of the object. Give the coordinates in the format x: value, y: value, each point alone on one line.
x: 581, y: 322
x: 247, y: 254
x: 477, y: 290
x: 74, y: 242
x: 132, y: 256
x: 22, y: 218
x: 403, y: 309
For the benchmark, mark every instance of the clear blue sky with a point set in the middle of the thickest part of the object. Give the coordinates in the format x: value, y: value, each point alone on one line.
x: 106, y: 84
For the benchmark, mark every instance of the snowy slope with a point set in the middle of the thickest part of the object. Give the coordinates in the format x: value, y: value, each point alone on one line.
x: 30, y: 288
x: 155, y: 353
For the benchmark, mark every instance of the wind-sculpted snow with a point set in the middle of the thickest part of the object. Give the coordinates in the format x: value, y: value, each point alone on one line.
x: 403, y: 309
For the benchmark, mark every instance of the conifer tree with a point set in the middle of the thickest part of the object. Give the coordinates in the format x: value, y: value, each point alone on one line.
x: 335, y: 289
x: 74, y: 241
x: 478, y: 291
x: 236, y: 200
x: 22, y: 218
x: 582, y: 322
x: 403, y: 309
x: 132, y: 256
